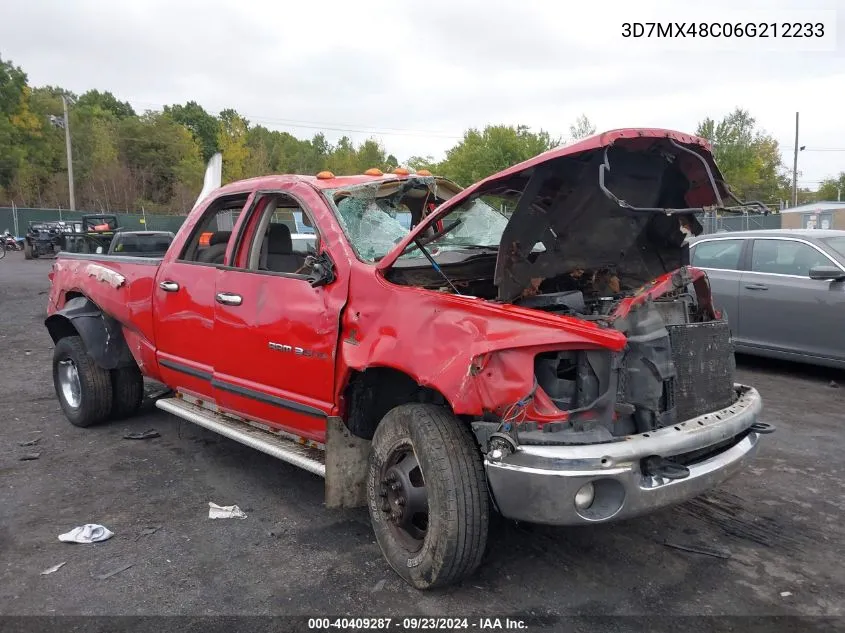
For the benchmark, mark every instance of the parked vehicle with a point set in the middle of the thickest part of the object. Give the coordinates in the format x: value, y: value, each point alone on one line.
x: 92, y: 234
x: 558, y: 361
x: 783, y: 291
x: 141, y: 243
x: 43, y: 238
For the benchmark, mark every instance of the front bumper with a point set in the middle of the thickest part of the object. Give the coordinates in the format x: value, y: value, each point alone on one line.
x: 538, y: 484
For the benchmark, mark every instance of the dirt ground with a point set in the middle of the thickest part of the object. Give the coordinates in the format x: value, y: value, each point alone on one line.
x: 778, y: 525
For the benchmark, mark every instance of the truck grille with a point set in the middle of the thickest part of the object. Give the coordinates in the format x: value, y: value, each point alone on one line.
x: 704, y: 364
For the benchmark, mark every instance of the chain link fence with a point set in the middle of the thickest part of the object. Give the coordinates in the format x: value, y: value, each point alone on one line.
x: 17, y: 219
x: 726, y: 223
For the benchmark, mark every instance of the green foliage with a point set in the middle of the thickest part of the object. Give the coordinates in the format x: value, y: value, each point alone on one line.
x: 481, y: 154
x: 749, y: 159
x: 203, y: 126
x: 832, y: 189
x: 106, y: 102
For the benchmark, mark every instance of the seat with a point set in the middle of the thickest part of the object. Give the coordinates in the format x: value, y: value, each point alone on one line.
x: 280, y: 257
x: 216, y: 251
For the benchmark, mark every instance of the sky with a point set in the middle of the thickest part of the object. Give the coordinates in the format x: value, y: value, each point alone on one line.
x: 415, y: 75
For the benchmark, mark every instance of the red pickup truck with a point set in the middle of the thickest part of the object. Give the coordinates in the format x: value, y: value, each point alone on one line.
x: 535, y: 344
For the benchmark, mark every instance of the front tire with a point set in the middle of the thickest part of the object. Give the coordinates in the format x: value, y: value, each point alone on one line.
x: 427, y: 495
x: 83, y: 388
x: 27, y: 250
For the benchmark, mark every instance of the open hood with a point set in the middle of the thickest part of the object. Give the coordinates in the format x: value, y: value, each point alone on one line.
x: 623, y: 201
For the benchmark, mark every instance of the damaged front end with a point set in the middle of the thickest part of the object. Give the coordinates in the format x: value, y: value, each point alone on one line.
x: 596, y: 233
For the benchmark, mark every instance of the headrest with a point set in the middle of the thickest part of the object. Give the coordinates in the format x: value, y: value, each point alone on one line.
x: 279, y: 241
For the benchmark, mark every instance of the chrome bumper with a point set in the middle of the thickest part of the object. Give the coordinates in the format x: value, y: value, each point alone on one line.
x: 538, y: 484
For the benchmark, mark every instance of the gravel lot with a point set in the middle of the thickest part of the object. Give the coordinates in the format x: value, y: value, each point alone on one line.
x: 779, y: 523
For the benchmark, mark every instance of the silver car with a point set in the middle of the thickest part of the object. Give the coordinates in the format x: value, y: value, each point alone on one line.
x: 783, y: 291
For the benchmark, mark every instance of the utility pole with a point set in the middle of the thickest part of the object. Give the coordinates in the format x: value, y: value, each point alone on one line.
x: 70, y: 157
x: 795, y: 167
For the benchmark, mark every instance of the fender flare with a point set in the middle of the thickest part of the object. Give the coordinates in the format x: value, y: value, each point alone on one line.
x: 101, y: 334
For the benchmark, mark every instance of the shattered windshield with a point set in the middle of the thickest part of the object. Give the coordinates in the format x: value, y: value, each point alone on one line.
x: 377, y: 216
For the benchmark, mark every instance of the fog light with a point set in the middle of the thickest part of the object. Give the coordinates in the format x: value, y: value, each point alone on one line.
x: 584, y: 496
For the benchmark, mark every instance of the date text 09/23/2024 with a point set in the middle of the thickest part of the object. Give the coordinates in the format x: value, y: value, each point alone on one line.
x: 417, y: 624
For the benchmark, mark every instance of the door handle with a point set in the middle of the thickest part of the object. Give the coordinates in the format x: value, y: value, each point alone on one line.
x: 229, y: 299
x: 756, y: 286
x: 169, y: 286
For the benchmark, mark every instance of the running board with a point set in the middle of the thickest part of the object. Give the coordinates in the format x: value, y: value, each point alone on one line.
x: 310, y: 459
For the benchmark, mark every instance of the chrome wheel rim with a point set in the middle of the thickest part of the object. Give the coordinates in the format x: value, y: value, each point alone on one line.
x: 69, y: 383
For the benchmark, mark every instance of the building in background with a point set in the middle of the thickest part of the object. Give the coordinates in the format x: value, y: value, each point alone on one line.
x: 814, y: 215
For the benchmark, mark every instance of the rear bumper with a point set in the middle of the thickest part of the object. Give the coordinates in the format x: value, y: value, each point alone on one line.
x: 538, y: 484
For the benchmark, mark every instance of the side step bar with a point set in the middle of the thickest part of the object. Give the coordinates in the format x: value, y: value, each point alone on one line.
x: 310, y: 459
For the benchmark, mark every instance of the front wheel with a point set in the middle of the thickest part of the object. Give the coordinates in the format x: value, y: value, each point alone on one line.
x: 27, y: 250
x: 427, y: 495
x: 84, y: 389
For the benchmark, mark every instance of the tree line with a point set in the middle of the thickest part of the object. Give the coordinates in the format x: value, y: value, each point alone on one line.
x: 125, y: 161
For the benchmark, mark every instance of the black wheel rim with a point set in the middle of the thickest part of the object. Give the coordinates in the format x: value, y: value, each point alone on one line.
x: 404, y: 497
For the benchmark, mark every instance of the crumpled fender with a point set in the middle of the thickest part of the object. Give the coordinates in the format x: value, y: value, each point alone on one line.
x: 479, y: 356
x: 101, y: 334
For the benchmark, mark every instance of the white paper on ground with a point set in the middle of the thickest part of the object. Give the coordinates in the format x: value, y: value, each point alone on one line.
x: 88, y: 533
x: 224, y: 512
x: 50, y: 570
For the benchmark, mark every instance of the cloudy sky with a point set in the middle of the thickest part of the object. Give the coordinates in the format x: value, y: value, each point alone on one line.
x: 416, y: 74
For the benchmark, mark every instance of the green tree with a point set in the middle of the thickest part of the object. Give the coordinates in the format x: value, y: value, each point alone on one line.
x: 106, y: 102
x: 231, y: 139
x: 748, y: 158
x: 203, y: 126
x: 832, y: 188
x: 497, y: 147
x: 582, y: 128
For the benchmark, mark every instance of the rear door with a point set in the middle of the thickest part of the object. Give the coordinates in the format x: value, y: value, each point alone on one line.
x: 278, y: 333
x: 183, y: 300
x: 783, y: 309
x: 721, y: 259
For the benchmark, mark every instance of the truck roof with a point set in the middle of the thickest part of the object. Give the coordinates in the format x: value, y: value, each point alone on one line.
x: 333, y: 182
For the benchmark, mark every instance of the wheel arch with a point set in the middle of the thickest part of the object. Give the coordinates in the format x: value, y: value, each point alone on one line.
x: 101, y: 334
x: 373, y: 391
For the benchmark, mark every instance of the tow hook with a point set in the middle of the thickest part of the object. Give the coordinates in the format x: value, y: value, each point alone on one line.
x: 657, y: 466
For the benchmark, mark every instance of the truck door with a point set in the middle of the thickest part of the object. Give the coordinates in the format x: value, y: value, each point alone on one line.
x: 183, y: 298
x: 278, y: 333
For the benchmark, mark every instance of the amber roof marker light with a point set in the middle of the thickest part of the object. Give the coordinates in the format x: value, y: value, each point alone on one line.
x: 374, y: 171
x: 325, y: 175
x: 401, y: 171
x: 423, y: 172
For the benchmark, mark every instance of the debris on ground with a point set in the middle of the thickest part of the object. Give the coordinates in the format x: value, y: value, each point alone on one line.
x: 785, y: 594
x: 224, y: 512
x: 114, y: 572
x: 378, y: 586
x: 834, y: 384
x: 699, y: 549
x: 142, y: 435
x: 88, y: 533
x: 54, y: 568
x: 29, y: 457
x: 30, y: 442
x: 148, y: 531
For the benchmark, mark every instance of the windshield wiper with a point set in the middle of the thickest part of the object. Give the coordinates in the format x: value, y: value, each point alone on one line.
x: 422, y: 241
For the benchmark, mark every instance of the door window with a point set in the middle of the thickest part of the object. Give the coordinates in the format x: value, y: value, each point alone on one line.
x: 279, y: 248
x: 786, y: 257
x: 719, y: 254
x: 208, y: 242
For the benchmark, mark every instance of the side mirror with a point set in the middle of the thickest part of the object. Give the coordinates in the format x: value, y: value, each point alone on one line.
x: 322, y: 269
x: 827, y: 273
